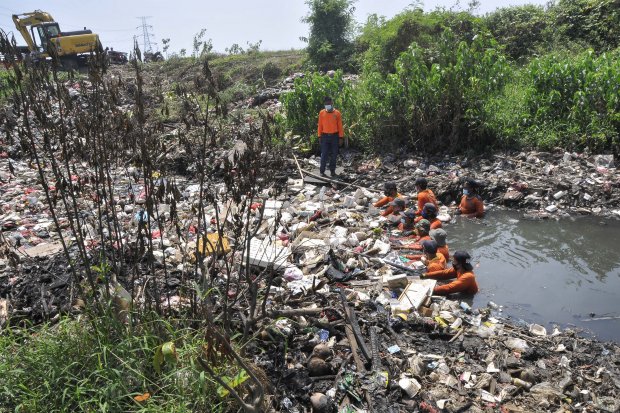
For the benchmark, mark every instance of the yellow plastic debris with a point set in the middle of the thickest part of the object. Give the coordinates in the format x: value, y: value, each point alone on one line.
x: 211, y: 244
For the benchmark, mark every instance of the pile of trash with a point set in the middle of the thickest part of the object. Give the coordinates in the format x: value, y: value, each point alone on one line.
x: 365, y: 333
x: 353, y: 326
x: 544, y: 184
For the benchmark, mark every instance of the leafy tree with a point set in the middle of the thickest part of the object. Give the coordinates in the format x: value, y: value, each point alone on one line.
x: 201, y: 47
x: 521, y: 29
x: 330, y: 43
x: 166, y: 45
x: 595, y: 22
x: 234, y: 49
x: 382, y: 41
x: 254, y: 47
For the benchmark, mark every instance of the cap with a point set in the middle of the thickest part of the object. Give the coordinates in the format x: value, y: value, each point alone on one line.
x: 430, y: 207
x: 461, y: 256
x: 424, y: 224
x: 472, y: 182
x: 389, y: 186
x: 399, y: 202
x: 429, y: 246
x: 410, y: 213
x: 439, y: 235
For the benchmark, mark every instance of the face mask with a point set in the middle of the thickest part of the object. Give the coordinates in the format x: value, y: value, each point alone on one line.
x: 329, y: 108
x: 465, y: 191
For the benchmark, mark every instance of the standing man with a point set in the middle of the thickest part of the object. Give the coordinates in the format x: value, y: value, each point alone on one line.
x: 330, y: 132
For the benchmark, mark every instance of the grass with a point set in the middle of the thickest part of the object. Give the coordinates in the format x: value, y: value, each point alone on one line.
x: 74, y: 366
x: 238, y: 76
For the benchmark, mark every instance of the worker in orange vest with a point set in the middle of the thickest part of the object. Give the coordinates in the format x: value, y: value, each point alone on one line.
x: 407, y: 222
x: 471, y: 204
x: 439, y: 235
x: 462, y: 270
x: 422, y: 228
x: 397, y: 206
x: 432, y: 260
x: 425, y: 195
x: 330, y: 133
x: 429, y: 212
x: 391, y: 193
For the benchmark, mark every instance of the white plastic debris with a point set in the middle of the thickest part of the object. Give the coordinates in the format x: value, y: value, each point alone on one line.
x: 410, y: 386
x: 292, y: 273
x: 538, y: 330
x: 518, y: 344
x: 383, y: 247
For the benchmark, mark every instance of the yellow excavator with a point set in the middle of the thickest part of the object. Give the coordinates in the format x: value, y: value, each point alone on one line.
x: 70, y: 49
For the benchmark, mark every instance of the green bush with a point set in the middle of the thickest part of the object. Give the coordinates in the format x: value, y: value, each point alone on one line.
x: 271, y: 72
x: 521, y: 29
x: 382, y: 41
x: 573, y: 101
x: 305, y: 102
x: 4, y: 84
x: 596, y: 23
x: 434, y: 103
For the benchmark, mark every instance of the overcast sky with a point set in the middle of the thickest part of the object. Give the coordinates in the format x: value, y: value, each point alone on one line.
x: 276, y: 22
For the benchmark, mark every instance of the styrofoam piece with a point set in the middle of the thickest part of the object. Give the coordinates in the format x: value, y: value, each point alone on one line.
x: 444, y: 217
x: 348, y: 202
x: 384, y: 247
x: 340, y: 231
x: 265, y: 252
x: 310, y: 244
x: 538, y: 330
x: 416, y: 292
x: 273, y: 204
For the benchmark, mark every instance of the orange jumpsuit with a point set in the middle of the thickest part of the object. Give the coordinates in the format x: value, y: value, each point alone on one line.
x: 424, y: 197
x: 465, y: 281
x: 444, y: 251
x: 418, y: 243
x: 384, y: 201
x: 472, y: 205
x: 435, y: 223
x: 440, y: 251
x: 436, y: 264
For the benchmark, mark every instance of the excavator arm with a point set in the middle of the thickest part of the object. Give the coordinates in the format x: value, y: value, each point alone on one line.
x: 25, y: 20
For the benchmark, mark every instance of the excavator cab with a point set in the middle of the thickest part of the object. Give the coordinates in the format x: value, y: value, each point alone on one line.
x: 45, y: 32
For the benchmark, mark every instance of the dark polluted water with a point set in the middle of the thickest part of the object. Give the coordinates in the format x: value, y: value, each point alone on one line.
x: 564, y: 272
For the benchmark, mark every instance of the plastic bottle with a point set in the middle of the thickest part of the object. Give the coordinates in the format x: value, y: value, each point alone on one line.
x: 521, y: 383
